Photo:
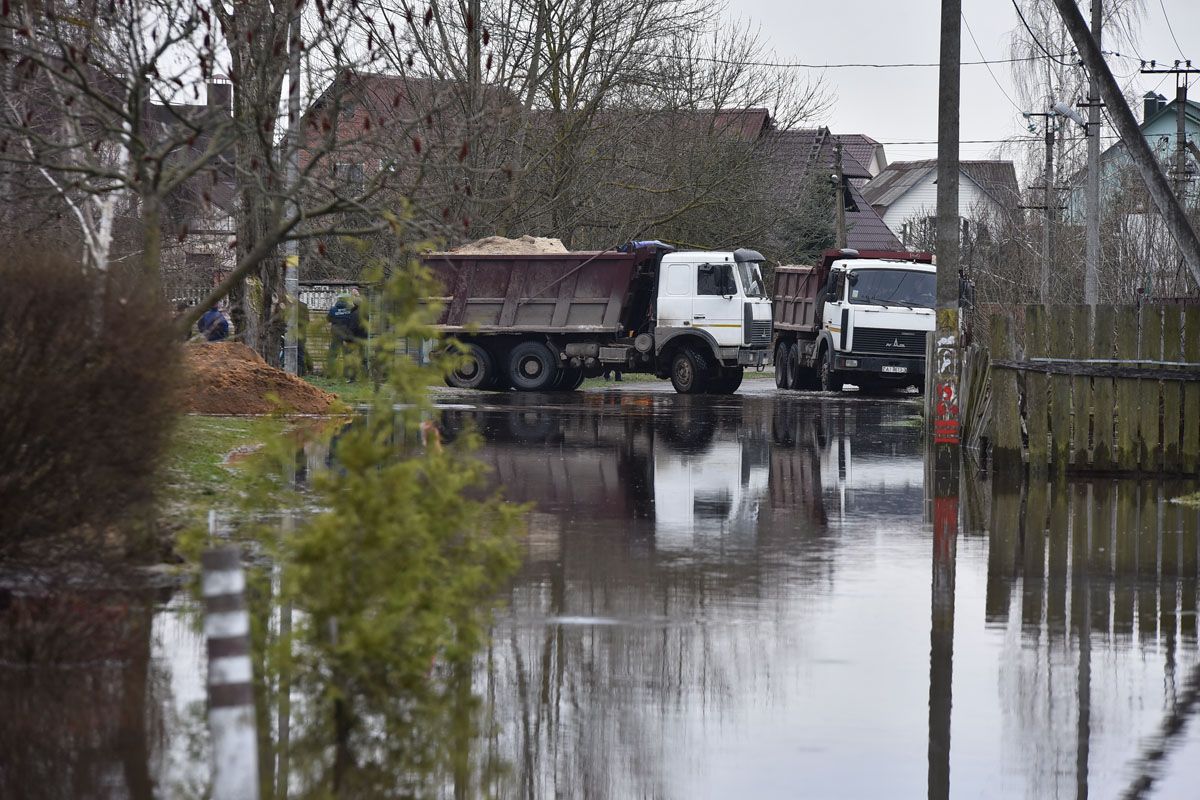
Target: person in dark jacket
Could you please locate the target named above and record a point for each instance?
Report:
(213, 325)
(346, 334)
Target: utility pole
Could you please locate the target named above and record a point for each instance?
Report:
(943, 376)
(291, 268)
(1181, 137)
(1091, 267)
(839, 193)
(942, 382)
(1165, 202)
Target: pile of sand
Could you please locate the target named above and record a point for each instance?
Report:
(230, 378)
(499, 245)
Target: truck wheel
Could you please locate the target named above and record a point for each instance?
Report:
(532, 367)
(830, 380)
(689, 371)
(782, 376)
(794, 378)
(727, 381)
(476, 370)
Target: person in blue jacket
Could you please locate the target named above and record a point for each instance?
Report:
(213, 325)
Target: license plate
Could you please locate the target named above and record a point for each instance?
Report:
(895, 369)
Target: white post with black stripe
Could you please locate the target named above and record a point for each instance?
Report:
(230, 679)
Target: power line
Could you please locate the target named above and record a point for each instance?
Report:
(1169, 28)
(1037, 41)
(979, 49)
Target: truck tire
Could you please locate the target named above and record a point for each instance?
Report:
(477, 370)
(532, 367)
(830, 381)
(782, 376)
(689, 371)
(727, 381)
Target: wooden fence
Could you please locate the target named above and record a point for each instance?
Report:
(1109, 389)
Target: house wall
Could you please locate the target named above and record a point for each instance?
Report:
(920, 202)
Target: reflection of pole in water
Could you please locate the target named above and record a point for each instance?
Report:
(1083, 731)
(941, 634)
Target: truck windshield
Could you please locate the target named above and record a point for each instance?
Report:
(893, 287)
(752, 282)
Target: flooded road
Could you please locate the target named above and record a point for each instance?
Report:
(729, 597)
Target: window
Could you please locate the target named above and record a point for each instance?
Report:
(679, 279)
(895, 287)
(838, 290)
(349, 178)
(715, 279)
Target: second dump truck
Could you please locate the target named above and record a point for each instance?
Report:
(857, 317)
(545, 322)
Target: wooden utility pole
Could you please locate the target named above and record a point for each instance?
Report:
(839, 195)
(1091, 267)
(942, 382)
(1165, 202)
(1181, 138)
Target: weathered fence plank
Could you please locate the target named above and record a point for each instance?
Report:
(1127, 401)
(1148, 391)
(1060, 397)
(1172, 395)
(1190, 450)
(1002, 550)
(1006, 418)
(1036, 420)
(1033, 555)
(1102, 389)
(1081, 390)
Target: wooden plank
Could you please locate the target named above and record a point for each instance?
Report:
(1190, 449)
(1006, 419)
(1037, 423)
(1127, 392)
(1060, 397)
(1102, 390)
(1150, 448)
(1172, 392)
(1081, 390)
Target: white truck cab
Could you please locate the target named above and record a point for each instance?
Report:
(875, 318)
(714, 305)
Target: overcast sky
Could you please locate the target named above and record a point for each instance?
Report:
(900, 105)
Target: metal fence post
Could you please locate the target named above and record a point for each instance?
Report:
(230, 678)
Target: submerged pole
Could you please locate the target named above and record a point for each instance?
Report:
(230, 677)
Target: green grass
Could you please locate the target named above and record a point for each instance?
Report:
(352, 393)
(196, 475)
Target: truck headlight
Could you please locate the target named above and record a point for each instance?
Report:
(849, 362)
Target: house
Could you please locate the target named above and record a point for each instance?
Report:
(866, 151)
(904, 194)
(804, 152)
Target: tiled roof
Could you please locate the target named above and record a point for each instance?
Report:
(801, 151)
(747, 122)
(858, 146)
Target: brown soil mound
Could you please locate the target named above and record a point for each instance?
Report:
(499, 245)
(230, 378)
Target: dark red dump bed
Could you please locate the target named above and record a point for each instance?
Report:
(553, 292)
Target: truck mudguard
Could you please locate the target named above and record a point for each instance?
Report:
(664, 336)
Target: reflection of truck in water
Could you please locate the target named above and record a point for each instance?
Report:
(856, 317)
(696, 472)
(541, 322)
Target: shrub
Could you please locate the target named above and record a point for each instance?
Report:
(88, 364)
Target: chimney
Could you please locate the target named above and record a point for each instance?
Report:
(1151, 104)
(220, 95)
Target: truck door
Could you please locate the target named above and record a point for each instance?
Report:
(675, 295)
(835, 302)
(717, 307)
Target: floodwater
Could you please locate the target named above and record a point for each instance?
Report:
(737, 597)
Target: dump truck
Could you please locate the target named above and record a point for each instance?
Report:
(857, 317)
(546, 321)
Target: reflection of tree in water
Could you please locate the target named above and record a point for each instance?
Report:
(619, 638)
(1096, 584)
(82, 715)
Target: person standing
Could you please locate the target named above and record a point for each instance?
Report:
(346, 333)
